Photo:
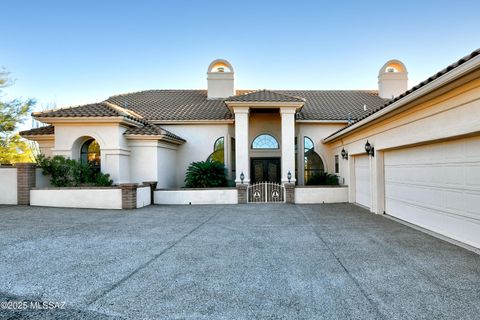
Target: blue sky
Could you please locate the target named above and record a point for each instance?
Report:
(73, 52)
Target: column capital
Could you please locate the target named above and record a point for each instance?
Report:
(243, 110)
(288, 110)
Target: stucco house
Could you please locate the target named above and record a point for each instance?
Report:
(411, 153)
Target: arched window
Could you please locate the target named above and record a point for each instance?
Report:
(218, 153)
(265, 141)
(90, 153)
(313, 163)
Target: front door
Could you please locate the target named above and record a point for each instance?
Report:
(265, 170)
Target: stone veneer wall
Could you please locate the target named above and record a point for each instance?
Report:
(26, 180)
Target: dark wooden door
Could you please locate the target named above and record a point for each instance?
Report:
(265, 170)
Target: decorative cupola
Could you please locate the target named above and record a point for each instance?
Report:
(220, 78)
(392, 79)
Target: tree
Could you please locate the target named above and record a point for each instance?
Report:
(12, 147)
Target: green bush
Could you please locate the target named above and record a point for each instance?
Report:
(323, 178)
(206, 174)
(66, 172)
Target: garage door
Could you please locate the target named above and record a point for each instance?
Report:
(437, 187)
(362, 180)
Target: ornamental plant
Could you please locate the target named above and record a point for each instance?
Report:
(323, 178)
(206, 174)
(66, 172)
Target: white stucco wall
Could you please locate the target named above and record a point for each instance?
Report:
(92, 198)
(113, 145)
(166, 165)
(317, 132)
(199, 145)
(321, 194)
(41, 181)
(143, 197)
(8, 185)
(143, 160)
(197, 196)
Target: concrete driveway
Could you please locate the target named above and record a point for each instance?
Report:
(230, 262)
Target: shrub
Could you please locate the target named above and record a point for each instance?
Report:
(66, 172)
(206, 174)
(323, 178)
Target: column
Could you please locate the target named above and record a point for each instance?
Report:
(241, 144)
(26, 180)
(288, 143)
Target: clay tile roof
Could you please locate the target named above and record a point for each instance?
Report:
(152, 130)
(265, 96)
(102, 109)
(46, 130)
(183, 105)
(173, 105)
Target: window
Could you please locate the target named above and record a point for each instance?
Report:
(265, 141)
(313, 163)
(232, 146)
(218, 153)
(90, 153)
(337, 169)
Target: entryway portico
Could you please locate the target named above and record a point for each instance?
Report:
(244, 107)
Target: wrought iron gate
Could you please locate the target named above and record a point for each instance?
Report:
(266, 192)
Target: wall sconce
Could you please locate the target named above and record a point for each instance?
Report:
(369, 149)
(242, 177)
(289, 176)
(344, 154)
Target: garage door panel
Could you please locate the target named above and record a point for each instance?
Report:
(362, 180)
(450, 225)
(437, 187)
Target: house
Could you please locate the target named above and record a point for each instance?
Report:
(411, 153)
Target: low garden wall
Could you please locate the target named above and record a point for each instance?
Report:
(321, 194)
(8, 185)
(196, 196)
(143, 196)
(92, 198)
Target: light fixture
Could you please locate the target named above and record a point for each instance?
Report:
(344, 154)
(289, 176)
(369, 149)
(242, 177)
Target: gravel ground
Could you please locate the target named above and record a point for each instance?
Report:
(229, 262)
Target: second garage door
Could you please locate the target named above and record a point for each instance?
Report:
(437, 187)
(362, 180)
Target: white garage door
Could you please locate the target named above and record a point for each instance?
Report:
(362, 180)
(437, 187)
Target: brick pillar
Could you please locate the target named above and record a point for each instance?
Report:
(290, 192)
(153, 186)
(242, 192)
(26, 180)
(129, 195)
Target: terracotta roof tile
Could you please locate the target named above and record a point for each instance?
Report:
(46, 130)
(264, 96)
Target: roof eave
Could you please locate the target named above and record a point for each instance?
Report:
(263, 104)
(159, 137)
(119, 120)
(449, 77)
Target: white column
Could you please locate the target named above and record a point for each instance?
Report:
(241, 144)
(288, 143)
(378, 184)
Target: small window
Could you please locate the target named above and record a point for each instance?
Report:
(265, 141)
(218, 154)
(90, 153)
(337, 168)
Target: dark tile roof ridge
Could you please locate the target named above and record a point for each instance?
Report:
(45, 130)
(423, 83)
(154, 90)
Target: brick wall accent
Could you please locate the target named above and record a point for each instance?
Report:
(129, 195)
(290, 192)
(153, 186)
(26, 180)
(242, 192)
